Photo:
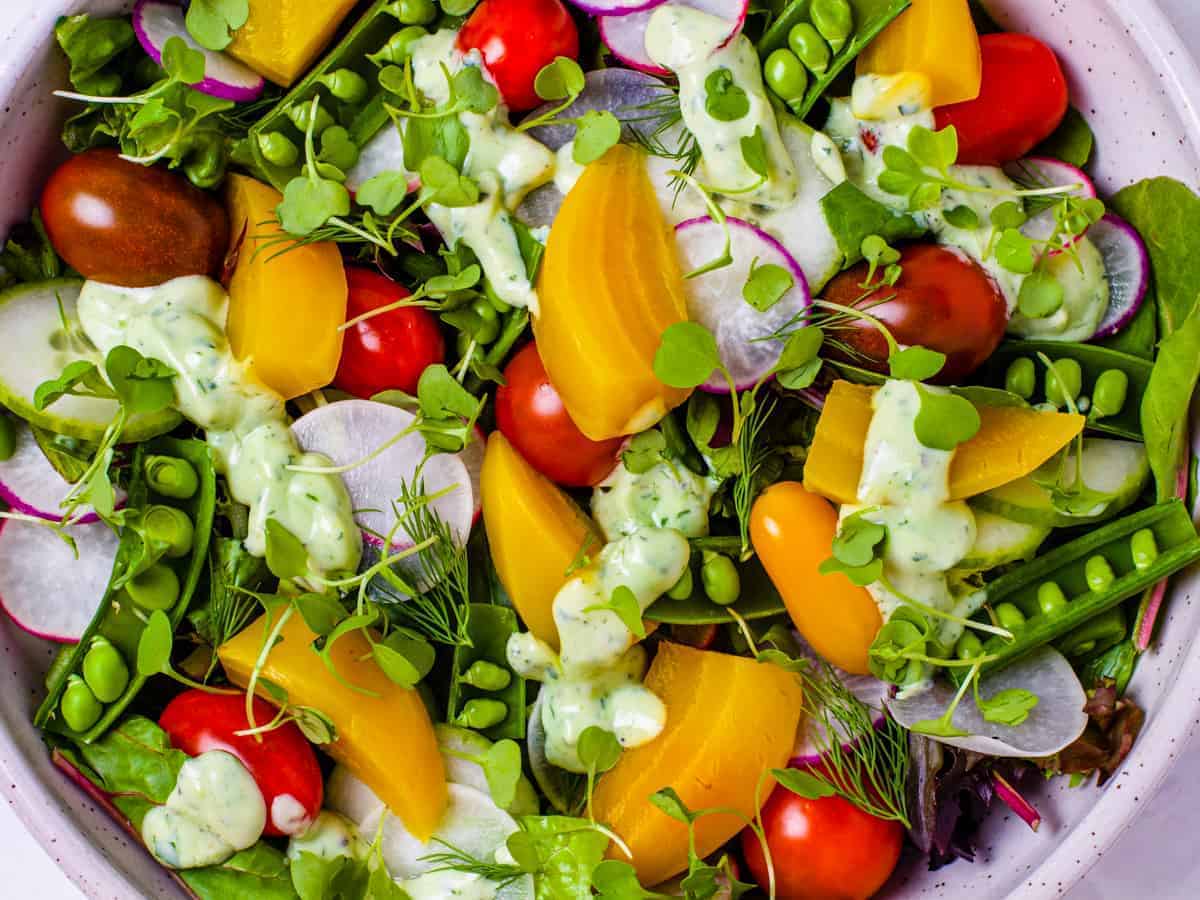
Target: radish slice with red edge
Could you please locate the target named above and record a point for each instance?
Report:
(1127, 269)
(350, 430)
(715, 298)
(43, 586)
(472, 459)
(156, 22)
(870, 690)
(1042, 172)
(625, 35)
(382, 153)
(616, 7)
(30, 485)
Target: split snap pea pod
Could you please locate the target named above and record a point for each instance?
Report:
(485, 694)
(160, 561)
(1110, 383)
(746, 590)
(1085, 590)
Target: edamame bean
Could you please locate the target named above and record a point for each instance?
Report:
(682, 589)
(171, 528)
(171, 477)
(969, 646)
(1109, 393)
(486, 676)
(105, 670)
(489, 321)
(278, 149)
(413, 12)
(302, 113)
(1051, 599)
(481, 713)
(8, 437)
(809, 47)
(346, 85)
(1144, 549)
(1098, 573)
(398, 47)
(80, 708)
(1064, 380)
(720, 578)
(156, 588)
(1021, 379)
(1009, 616)
(834, 19)
(786, 75)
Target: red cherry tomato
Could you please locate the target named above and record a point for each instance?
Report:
(132, 225)
(517, 38)
(943, 300)
(388, 351)
(283, 763)
(826, 849)
(531, 415)
(1022, 100)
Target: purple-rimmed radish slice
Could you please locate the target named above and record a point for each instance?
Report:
(1127, 269)
(351, 430)
(155, 22)
(1036, 172)
(715, 298)
(616, 7)
(871, 691)
(472, 458)
(625, 35)
(30, 485)
(43, 586)
(382, 153)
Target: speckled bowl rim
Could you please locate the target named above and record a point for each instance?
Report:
(1176, 716)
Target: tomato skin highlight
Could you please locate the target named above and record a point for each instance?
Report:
(944, 301)
(281, 761)
(825, 849)
(388, 351)
(1022, 100)
(131, 225)
(531, 414)
(517, 39)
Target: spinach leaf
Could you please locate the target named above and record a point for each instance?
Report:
(1139, 336)
(852, 216)
(29, 256)
(92, 46)
(1166, 401)
(260, 872)
(569, 849)
(1072, 141)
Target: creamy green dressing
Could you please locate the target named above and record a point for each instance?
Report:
(669, 495)
(182, 323)
(506, 163)
(330, 836)
(214, 811)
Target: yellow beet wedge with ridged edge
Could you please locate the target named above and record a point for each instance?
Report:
(282, 38)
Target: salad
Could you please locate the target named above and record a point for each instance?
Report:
(642, 448)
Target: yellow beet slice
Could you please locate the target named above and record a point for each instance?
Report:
(282, 38)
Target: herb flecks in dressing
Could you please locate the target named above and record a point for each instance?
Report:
(330, 836)
(669, 495)
(182, 323)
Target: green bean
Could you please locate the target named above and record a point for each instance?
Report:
(1064, 380)
(1098, 573)
(171, 528)
(786, 75)
(80, 708)
(105, 670)
(969, 646)
(1009, 616)
(1051, 599)
(1096, 634)
(156, 588)
(171, 477)
(480, 713)
(486, 676)
(278, 149)
(413, 12)
(345, 85)
(302, 113)
(809, 47)
(489, 321)
(398, 47)
(1109, 393)
(1144, 549)
(834, 19)
(1021, 378)
(682, 589)
(8, 437)
(720, 578)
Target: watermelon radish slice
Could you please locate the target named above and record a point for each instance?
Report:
(715, 298)
(625, 35)
(1127, 269)
(43, 586)
(616, 7)
(155, 22)
(30, 485)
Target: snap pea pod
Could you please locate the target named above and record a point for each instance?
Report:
(1120, 409)
(1068, 567)
(101, 669)
(755, 597)
(477, 692)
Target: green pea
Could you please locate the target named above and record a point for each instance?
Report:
(8, 437)
(720, 578)
(969, 646)
(156, 588)
(786, 75)
(1098, 574)
(1021, 379)
(809, 47)
(1009, 616)
(80, 708)
(413, 12)
(105, 671)
(835, 20)
(489, 321)
(1109, 393)
(398, 47)
(482, 713)
(278, 149)
(1051, 599)
(346, 85)
(682, 589)
(1064, 380)
(171, 477)
(171, 528)
(1144, 549)
(302, 113)
(486, 676)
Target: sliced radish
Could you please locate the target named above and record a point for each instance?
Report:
(30, 485)
(616, 7)
(870, 690)
(472, 458)
(625, 35)
(350, 430)
(156, 22)
(1127, 269)
(383, 153)
(715, 298)
(43, 586)
(1044, 172)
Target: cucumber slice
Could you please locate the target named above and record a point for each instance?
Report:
(37, 348)
(1114, 474)
(455, 743)
(1000, 541)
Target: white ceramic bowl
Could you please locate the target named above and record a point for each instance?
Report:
(1137, 86)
